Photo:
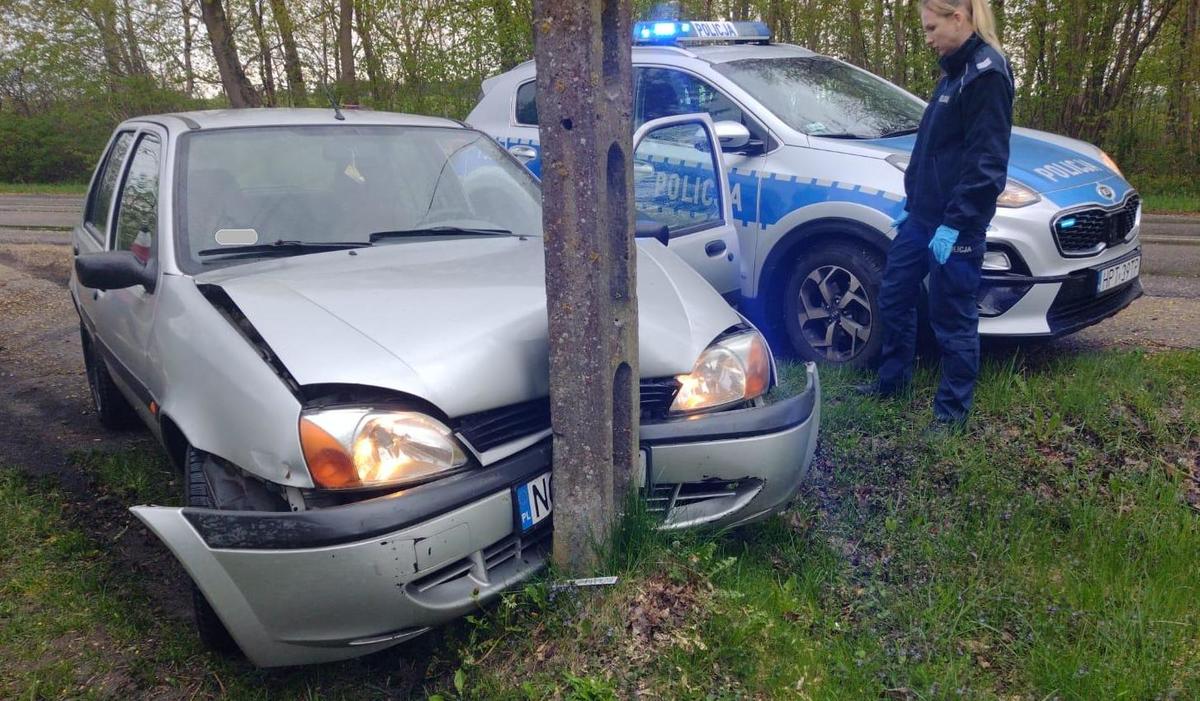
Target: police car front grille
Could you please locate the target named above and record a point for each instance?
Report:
(1089, 231)
(494, 427)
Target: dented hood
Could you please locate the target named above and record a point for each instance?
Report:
(460, 323)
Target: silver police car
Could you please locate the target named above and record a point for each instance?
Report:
(336, 325)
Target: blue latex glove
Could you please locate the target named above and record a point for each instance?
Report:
(942, 243)
(900, 218)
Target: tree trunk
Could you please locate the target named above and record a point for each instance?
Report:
(233, 78)
(291, 57)
(137, 61)
(584, 94)
(189, 73)
(345, 45)
(364, 24)
(265, 65)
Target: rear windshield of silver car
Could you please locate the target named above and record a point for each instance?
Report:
(256, 186)
(823, 97)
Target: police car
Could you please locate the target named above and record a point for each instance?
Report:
(815, 150)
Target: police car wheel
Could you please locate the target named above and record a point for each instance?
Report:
(831, 305)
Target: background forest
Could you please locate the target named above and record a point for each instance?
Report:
(1121, 73)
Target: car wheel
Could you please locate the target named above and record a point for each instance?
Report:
(831, 305)
(211, 630)
(111, 406)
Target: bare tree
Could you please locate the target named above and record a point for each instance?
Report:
(291, 57)
(345, 45)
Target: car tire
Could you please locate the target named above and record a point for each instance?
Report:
(831, 305)
(111, 407)
(197, 493)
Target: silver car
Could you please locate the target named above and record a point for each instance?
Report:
(336, 325)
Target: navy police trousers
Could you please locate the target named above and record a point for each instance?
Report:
(953, 314)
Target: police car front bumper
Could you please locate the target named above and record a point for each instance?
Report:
(1047, 294)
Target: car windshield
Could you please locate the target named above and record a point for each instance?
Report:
(310, 186)
(822, 97)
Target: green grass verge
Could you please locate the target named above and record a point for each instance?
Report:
(43, 188)
(1167, 194)
(1052, 551)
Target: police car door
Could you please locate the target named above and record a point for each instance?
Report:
(680, 181)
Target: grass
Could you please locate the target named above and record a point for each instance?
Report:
(1167, 194)
(43, 188)
(1052, 551)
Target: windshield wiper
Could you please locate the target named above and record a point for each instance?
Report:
(840, 135)
(899, 132)
(437, 231)
(283, 247)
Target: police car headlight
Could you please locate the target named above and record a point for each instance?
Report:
(1017, 194)
(355, 448)
(1109, 163)
(733, 369)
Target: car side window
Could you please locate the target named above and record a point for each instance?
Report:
(100, 198)
(137, 212)
(662, 92)
(674, 179)
(527, 113)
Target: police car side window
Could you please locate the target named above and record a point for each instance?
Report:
(674, 179)
(137, 213)
(663, 92)
(527, 104)
(101, 195)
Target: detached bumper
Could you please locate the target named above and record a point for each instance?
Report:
(330, 584)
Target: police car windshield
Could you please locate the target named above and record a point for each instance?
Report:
(822, 97)
(321, 187)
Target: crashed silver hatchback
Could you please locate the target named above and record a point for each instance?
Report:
(336, 325)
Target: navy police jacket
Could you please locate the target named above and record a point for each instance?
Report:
(960, 161)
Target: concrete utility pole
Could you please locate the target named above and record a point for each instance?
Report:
(584, 97)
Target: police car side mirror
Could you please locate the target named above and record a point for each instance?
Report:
(733, 136)
(650, 229)
(113, 270)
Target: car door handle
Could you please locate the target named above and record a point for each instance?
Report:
(714, 248)
(523, 153)
(643, 168)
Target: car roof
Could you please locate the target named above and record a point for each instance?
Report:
(721, 53)
(278, 116)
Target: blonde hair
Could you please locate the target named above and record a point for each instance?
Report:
(978, 11)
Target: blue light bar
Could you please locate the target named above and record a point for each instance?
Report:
(692, 32)
(1067, 223)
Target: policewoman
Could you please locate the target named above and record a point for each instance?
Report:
(958, 169)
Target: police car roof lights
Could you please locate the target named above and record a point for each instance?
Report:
(669, 32)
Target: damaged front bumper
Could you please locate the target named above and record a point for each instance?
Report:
(329, 584)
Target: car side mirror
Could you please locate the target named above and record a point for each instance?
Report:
(733, 136)
(113, 270)
(650, 229)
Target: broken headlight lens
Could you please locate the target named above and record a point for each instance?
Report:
(357, 448)
(733, 369)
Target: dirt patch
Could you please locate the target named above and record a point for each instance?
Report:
(51, 263)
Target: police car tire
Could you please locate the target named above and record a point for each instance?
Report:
(197, 493)
(862, 262)
(111, 407)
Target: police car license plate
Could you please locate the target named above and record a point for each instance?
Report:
(1119, 274)
(533, 501)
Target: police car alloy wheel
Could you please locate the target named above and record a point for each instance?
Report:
(831, 305)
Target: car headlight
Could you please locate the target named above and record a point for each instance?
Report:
(1016, 194)
(733, 369)
(1108, 161)
(353, 448)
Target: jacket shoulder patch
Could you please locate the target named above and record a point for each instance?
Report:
(984, 63)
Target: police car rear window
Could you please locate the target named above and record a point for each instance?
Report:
(527, 104)
(823, 97)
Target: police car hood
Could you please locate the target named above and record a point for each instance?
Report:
(1045, 162)
(460, 323)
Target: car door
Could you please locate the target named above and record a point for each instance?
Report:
(521, 138)
(680, 182)
(122, 318)
(92, 233)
